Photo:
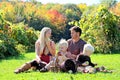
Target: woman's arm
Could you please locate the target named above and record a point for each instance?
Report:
(37, 50)
(51, 47)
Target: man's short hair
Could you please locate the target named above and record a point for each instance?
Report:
(76, 29)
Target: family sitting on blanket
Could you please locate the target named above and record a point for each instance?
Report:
(73, 54)
(45, 48)
(66, 63)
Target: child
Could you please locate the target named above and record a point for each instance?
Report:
(61, 56)
(84, 61)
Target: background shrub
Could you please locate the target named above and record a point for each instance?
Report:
(100, 28)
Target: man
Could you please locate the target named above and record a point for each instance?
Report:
(76, 44)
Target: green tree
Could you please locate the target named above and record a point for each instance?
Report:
(108, 3)
(100, 28)
(72, 12)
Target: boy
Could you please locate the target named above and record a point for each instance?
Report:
(84, 61)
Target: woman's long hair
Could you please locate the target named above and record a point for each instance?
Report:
(42, 39)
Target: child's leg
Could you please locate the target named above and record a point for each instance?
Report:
(100, 69)
(80, 69)
(103, 69)
(90, 69)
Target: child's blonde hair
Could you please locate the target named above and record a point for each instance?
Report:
(88, 47)
(63, 42)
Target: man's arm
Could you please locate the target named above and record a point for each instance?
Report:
(71, 56)
(82, 47)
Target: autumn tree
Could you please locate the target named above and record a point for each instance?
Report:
(115, 9)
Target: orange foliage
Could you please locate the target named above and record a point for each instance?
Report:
(116, 9)
(56, 18)
(16, 12)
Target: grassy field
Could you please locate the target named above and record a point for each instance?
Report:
(111, 61)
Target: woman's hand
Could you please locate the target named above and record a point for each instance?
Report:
(48, 43)
(38, 59)
(51, 47)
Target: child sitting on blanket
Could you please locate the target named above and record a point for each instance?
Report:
(86, 66)
(61, 56)
(84, 59)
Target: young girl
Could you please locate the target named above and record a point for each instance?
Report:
(61, 56)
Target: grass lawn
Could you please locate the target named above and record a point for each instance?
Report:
(111, 61)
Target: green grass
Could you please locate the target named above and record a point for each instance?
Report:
(111, 61)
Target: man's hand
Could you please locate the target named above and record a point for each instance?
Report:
(73, 56)
(68, 55)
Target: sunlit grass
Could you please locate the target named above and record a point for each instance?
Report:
(110, 61)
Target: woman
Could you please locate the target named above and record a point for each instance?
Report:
(44, 49)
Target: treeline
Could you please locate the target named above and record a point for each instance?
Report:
(20, 23)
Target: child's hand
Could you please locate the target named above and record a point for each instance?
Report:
(63, 56)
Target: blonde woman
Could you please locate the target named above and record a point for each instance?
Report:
(44, 49)
(44, 46)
